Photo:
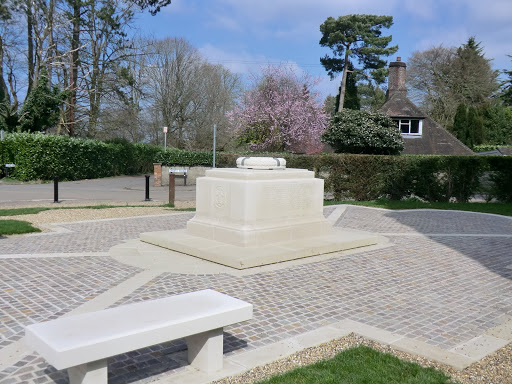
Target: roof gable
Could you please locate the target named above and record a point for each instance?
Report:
(398, 105)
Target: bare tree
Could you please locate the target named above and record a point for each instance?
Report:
(219, 90)
(441, 78)
(427, 74)
(187, 94)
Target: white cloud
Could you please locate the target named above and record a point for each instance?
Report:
(490, 12)
(296, 18)
(424, 9)
(247, 64)
(225, 22)
(448, 37)
(178, 6)
(241, 62)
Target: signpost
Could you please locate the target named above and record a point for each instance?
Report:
(214, 142)
(165, 139)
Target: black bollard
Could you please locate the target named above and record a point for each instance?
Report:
(56, 189)
(147, 188)
(172, 187)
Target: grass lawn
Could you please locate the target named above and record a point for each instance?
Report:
(362, 365)
(12, 227)
(504, 209)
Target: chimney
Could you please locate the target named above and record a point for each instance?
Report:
(396, 79)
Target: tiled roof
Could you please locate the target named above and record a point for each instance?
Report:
(435, 140)
(398, 105)
(505, 150)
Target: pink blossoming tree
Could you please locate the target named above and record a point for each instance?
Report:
(280, 113)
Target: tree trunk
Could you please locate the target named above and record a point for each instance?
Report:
(51, 44)
(75, 43)
(4, 92)
(30, 47)
(343, 82)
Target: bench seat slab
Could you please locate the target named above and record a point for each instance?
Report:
(77, 340)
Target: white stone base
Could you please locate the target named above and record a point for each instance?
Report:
(95, 372)
(241, 257)
(205, 350)
(249, 208)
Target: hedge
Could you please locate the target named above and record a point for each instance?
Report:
(185, 158)
(347, 176)
(42, 157)
(428, 177)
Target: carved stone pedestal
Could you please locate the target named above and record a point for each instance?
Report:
(251, 216)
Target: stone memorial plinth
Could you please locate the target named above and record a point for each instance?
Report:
(258, 213)
(245, 207)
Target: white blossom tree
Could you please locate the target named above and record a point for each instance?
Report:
(280, 113)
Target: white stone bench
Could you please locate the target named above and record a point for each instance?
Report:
(83, 343)
(182, 171)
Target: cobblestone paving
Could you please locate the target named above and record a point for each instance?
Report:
(35, 290)
(328, 210)
(443, 290)
(425, 222)
(97, 236)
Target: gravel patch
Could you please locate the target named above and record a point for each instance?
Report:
(40, 219)
(494, 369)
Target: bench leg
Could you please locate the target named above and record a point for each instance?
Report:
(94, 372)
(205, 350)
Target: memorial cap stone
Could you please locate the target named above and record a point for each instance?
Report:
(261, 163)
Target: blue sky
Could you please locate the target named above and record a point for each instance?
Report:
(245, 35)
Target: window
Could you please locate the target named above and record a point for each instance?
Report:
(410, 127)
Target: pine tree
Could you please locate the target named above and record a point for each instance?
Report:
(41, 108)
(475, 127)
(357, 36)
(460, 122)
(351, 94)
(506, 95)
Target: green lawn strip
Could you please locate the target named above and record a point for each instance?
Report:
(35, 210)
(15, 227)
(362, 365)
(504, 209)
(22, 211)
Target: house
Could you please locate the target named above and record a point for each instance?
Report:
(421, 134)
(500, 151)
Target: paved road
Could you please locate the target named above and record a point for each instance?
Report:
(112, 189)
(442, 286)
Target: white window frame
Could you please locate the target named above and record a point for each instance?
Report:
(407, 123)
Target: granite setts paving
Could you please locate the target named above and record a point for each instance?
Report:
(92, 236)
(435, 284)
(35, 290)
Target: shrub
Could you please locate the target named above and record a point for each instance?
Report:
(362, 132)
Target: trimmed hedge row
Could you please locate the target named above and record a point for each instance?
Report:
(359, 177)
(185, 158)
(431, 178)
(42, 157)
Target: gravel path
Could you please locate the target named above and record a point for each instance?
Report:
(41, 219)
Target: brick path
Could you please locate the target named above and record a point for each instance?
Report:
(443, 288)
